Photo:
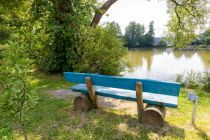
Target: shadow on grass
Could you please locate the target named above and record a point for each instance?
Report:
(167, 130)
(55, 119)
(146, 131)
(101, 124)
(201, 133)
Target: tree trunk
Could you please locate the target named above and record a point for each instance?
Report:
(82, 103)
(154, 115)
(101, 11)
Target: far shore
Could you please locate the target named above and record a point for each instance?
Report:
(193, 48)
(172, 48)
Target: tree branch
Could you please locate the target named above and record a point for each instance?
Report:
(101, 11)
(190, 7)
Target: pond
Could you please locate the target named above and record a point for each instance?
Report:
(165, 64)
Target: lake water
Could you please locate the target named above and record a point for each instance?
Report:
(164, 64)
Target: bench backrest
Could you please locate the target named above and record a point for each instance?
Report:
(151, 86)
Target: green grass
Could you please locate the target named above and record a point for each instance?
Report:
(54, 118)
(48, 81)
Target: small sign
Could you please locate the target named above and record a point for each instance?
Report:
(192, 96)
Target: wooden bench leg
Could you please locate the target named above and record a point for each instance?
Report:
(139, 100)
(91, 92)
(154, 115)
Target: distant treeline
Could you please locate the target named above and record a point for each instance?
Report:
(135, 35)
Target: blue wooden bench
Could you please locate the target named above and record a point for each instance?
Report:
(156, 94)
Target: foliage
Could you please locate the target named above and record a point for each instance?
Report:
(13, 22)
(149, 37)
(207, 40)
(102, 51)
(192, 79)
(204, 38)
(115, 28)
(4, 35)
(16, 96)
(179, 79)
(12, 15)
(61, 23)
(206, 81)
(195, 80)
(60, 39)
(163, 42)
(70, 44)
(185, 16)
(135, 36)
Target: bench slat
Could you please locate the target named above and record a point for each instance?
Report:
(150, 98)
(151, 86)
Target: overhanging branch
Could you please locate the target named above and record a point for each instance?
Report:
(101, 11)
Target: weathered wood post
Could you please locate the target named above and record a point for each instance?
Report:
(83, 102)
(139, 100)
(91, 92)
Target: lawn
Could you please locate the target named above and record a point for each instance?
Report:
(54, 118)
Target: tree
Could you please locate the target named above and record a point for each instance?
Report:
(115, 27)
(186, 15)
(151, 29)
(185, 18)
(134, 34)
(203, 38)
(162, 43)
(149, 37)
(206, 37)
(66, 23)
(61, 23)
(135, 37)
(207, 40)
(16, 96)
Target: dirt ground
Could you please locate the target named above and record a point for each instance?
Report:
(127, 106)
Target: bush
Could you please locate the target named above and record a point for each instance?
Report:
(4, 35)
(16, 96)
(195, 80)
(66, 42)
(179, 78)
(60, 23)
(102, 52)
(206, 81)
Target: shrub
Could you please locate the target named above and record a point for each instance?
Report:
(195, 80)
(68, 43)
(16, 96)
(102, 52)
(206, 81)
(179, 78)
(4, 35)
(60, 24)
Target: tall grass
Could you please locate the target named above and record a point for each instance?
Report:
(194, 80)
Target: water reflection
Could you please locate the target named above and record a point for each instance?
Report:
(163, 64)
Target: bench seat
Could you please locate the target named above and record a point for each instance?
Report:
(150, 98)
